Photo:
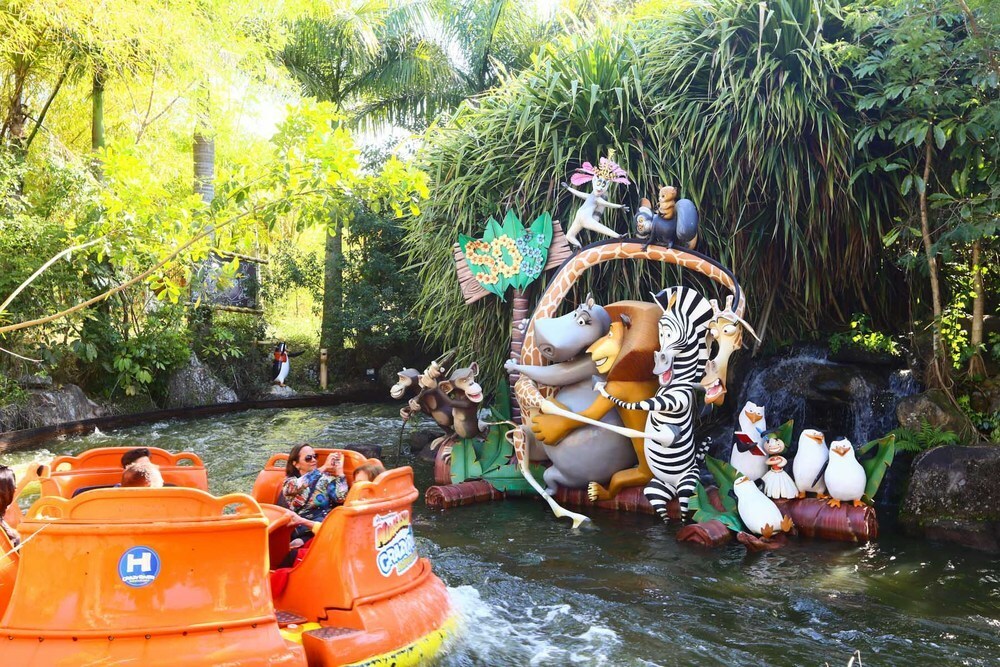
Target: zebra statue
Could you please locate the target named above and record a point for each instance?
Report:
(680, 365)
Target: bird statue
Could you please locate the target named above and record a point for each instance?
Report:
(747, 456)
(758, 512)
(809, 464)
(777, 482)
(845, 477)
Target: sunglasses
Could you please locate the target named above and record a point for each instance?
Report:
(309, 458)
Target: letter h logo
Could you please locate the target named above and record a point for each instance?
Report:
(143, 562)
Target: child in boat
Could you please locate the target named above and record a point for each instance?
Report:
(311, 491)
(8, 484)
(137, 455)
(368, 472)
(142, 474)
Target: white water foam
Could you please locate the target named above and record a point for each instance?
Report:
(536, 635)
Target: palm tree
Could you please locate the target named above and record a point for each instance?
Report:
(388, 64)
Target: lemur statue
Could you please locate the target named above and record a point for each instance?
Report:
(588, 216)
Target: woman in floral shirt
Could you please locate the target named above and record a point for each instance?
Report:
(311, 491)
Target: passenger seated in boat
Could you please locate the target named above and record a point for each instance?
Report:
(311, 491)
(368, 472)
(142, 473)
(8, 484)
(135, 455)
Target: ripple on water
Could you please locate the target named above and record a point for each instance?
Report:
(625, 592)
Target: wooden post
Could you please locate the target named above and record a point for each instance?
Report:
(520, 313)
(322, 368)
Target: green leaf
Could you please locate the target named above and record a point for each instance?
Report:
(875, 467)
(512, 226)
(939, 137)
(701, 504)
(724, 475)
(907, 183)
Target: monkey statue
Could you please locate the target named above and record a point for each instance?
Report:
(465, 395)
(588, 216)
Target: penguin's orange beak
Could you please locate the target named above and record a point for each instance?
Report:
(752, 417)
(818, 438)
(841, 450)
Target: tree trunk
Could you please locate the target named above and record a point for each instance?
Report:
(938, 371)
(204, 151)
(977, 368)
(97, 116)
(520, 313)
(332, 333)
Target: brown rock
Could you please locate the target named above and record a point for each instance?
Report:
(953, 496)
(934, 407)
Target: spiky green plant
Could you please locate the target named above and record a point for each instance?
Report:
(749, 114)
(757, 105)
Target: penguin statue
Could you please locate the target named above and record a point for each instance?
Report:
(845, 477)
(809, 464)
(748, 457)
(758, 512)
(281, 366)
(777, 482)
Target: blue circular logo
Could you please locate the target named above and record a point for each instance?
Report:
(139, 566)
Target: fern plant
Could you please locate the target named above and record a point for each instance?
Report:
(927, 437)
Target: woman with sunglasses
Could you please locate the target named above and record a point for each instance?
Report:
(311, 490)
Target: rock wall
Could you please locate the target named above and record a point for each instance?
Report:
(195, 384)
(954, 496)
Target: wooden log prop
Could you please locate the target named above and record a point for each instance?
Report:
(754, 543)
(815, 518)
(628, 500)
(442, 465)
(447, 496)
(711, 534)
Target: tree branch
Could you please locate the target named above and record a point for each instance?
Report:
(55, 258)
(111, 292)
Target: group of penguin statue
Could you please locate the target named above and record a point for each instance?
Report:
(833, 473)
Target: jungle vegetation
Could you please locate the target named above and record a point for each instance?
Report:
(842, 158)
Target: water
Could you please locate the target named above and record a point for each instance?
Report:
(532, 592)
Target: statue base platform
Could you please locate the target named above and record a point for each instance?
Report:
(446, 496)
(813, 517)
(628, 500)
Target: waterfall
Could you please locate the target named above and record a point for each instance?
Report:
(842, 400)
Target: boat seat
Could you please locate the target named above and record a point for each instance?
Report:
(84, 489)
(177, 569)
(286, 618)
(101, 468)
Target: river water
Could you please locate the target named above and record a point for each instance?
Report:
(530, 591)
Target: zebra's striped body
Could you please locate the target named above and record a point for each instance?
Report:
(680, 364)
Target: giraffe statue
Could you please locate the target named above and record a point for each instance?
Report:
(533, 398)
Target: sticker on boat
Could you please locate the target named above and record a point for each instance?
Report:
(394, 544)
(139, 566)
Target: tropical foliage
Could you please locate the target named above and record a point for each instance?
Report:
(755, 111)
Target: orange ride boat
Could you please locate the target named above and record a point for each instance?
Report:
(176, 576)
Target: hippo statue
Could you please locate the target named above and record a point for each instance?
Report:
(588, 453)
